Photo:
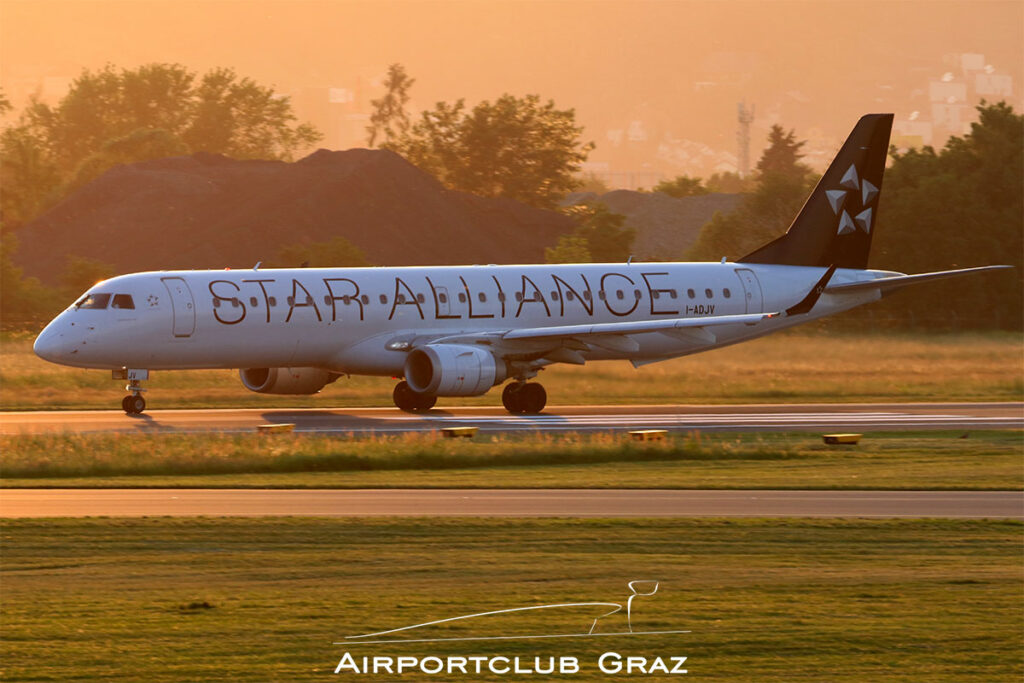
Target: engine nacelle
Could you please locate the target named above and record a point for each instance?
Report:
(286, 380)
(452, 370)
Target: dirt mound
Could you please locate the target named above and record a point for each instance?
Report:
(665, 226)
(209, 211)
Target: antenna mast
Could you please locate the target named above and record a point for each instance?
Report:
(745, 117)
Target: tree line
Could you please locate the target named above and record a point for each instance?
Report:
(956, 206)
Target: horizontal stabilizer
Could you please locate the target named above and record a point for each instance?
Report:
(886, 284)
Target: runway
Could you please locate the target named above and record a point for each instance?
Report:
(507, 503)
(718, 418)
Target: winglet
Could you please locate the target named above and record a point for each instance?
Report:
(812, 297)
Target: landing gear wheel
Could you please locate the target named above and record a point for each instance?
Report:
(411, 402)
(520, 398)
(510, 397)
(133, 405)
(533, 398)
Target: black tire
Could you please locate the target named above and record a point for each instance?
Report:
(411, 402)
(136, 404)
(533, 398)
(510, 397)
(425, 402)
(124, 404)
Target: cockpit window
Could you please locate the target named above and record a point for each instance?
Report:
(93, 300)
(123, 301)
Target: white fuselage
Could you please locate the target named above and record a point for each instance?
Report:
(361, 320)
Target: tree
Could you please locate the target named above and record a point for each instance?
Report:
(571, 248)
(389, 119)
(82, 273)
(958, 207)
(518, 148)
(729, 183)
(123, 116)
(600, 236)
(22, 300)
(335, 253)
(681, 186)
(590, 182)
(782, 186)
(782, 156)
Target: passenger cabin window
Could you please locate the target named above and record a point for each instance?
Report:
(365, 299)
(253, 302)
(462, 297)
(383, 298)
(708, 293)
(123, 301)
(726, 293)
(95, 301)
(690, 293)
(637, 295)
(482, 297)
(442, 297)
(273, 301)
(420, 298)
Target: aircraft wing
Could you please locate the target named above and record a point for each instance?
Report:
(562, 343)
(635, 327)
(886, 284)
(569, 339)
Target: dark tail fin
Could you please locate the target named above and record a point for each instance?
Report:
(836, 223)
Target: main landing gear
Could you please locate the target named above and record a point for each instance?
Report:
(133, 403)
(520, 398)
(411, 402)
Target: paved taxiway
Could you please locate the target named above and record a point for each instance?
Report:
(508, 503)
(754, 417)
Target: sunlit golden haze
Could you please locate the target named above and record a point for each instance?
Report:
(656, 84)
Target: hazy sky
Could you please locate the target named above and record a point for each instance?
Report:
(812, 65)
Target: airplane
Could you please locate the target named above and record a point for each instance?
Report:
(461, 330)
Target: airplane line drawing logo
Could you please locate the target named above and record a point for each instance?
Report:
(637, 589)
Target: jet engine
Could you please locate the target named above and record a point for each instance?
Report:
(452, 370)
(286, 380)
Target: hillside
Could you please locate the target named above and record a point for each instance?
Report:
(209, 211)
(665, 226)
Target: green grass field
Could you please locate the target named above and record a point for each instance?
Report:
(789, 366)
(894, 460)
(263, 599)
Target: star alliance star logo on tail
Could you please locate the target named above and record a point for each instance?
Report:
(837, 200)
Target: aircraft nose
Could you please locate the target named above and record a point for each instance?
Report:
(50, 344)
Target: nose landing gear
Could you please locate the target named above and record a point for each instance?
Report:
(133, 403)
(520, 398)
